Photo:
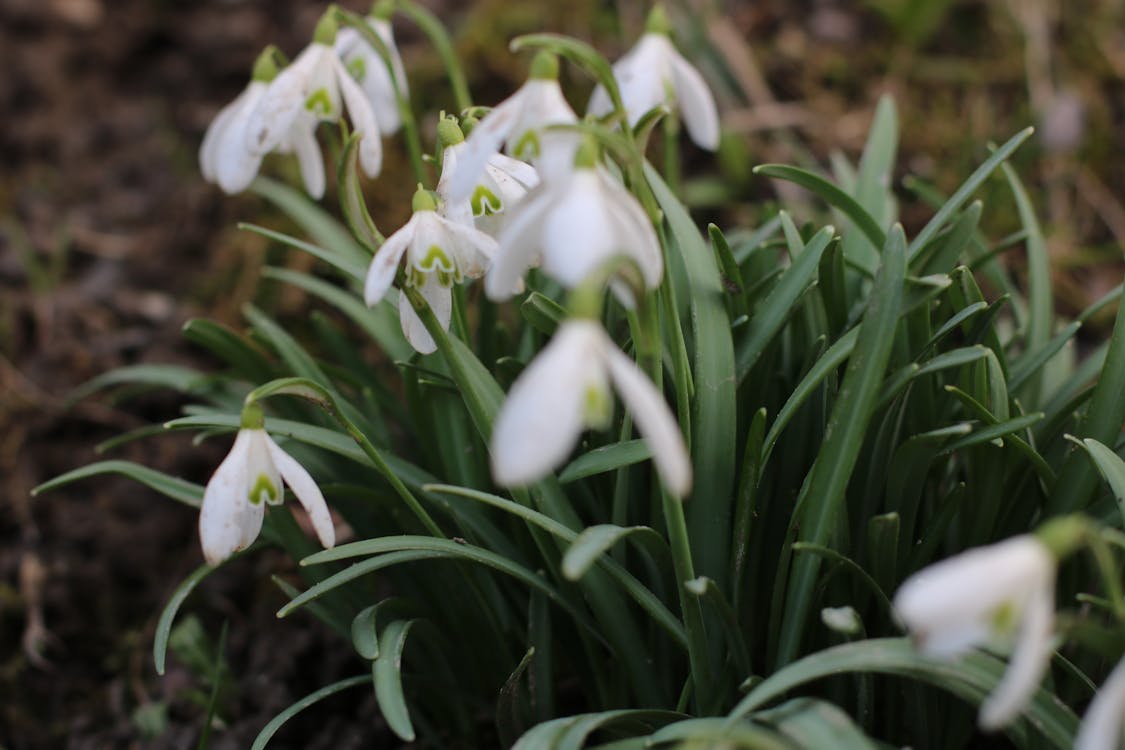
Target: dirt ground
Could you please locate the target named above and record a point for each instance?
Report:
(110, 241)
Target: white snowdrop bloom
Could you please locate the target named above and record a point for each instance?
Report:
(501, 185)
(654, 73)
(567, 389)
(318, 87)
(247, 479)
(370, 70)
(226, 160)
(989, 595)
(439, 253)
(520, 123)
(1103, 726)
(573, 225)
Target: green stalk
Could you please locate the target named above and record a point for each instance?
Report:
(434, 29)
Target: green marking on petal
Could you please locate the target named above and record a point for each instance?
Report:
(485, 202)
(1004, 619)
(263, 488)
(434, 259)
(319, 103)
(357, 67)
(527, 147)
(597, 409)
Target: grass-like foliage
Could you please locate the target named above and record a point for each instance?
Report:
(857, 404)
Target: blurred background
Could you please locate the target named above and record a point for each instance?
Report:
(110, 241)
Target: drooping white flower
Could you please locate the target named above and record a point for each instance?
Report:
(572, 225)
(246, 481)
(226, 160)
(318, 86)
(439, 253)
(520, 123)
(1103, 726)
(371, 72)
(655, 73)
(988, 595)
(567, 389)
(503, 183)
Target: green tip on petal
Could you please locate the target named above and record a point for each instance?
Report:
(449, 132)
(265, 67)
(657, 22)
(253, 418)
(326, 27)
(382, 10)
(423, 200)
(587, 155)
(544, 67)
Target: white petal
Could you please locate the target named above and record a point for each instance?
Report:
(519, 244)
(484, 141)
(643, 76)
(283, 100)
(540, 421)
(633, 224)
(518, 170)
(263, 481)
(235, 165)
(653, 417)
(1103, 726)
(363, 120)
(473, 248)
(432, 247)
(381, 273)
(219, 128)
(307, 492)
(697, 104)
(302, 140)
(578, 235)
(1029, 661)
(225, 505)
(440, 300)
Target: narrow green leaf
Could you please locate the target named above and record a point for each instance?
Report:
(1110, 465)
(605, 458)
(831, 194)
(387, 674)
(174, 377)
(812, 723)
(270, 729)
(543, 313)
(593, 542)
(992, 432)
(352, 202)
(348, 268)
(320, 225)
(178, 489)
(1040, 305)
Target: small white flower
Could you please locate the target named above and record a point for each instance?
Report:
(247, 479)
(503, 183)
(520, 123)
(654, 73)
(370, 71)
(1103, 726)
(439, 254)
(987, 596)
(226, 160)
(318, 86)
(565, 390)
(573, 225)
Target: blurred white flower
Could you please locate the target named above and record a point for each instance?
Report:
(520, 123)
(318, 87)
(988, 596)
(654, 73)
(567, 389)
(501, 185)
(371, 72)
(572, 225)
(1103, 726)
(439, 253)
(247, 479)
(226, 160)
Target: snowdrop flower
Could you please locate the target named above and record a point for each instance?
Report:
(566, 389)
(984, 596)
(520, 122)
(573, 225)
(224, 157)
(501, 185)
(316, 87)
(246, 481)
(439, 253)
(654, 73)
(1103, 726)
(370, 70)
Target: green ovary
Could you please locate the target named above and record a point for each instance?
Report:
(263, 487)
(485, 202)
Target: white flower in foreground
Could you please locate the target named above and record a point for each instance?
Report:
(654, 73)
(1103, 726)
(503, 183)
(572, 226)
(247, 479)
(226, 160)
(567, 389)
(521, 123)
(439, 253)
(371, 72)
(317, 86)
(985, 596)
